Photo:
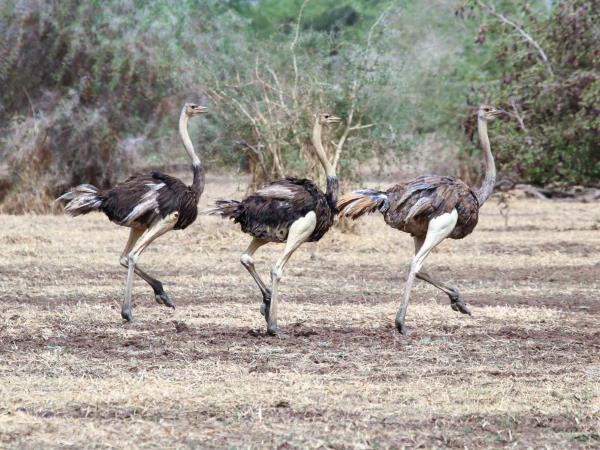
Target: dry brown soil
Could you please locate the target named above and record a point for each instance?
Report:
(523, 371)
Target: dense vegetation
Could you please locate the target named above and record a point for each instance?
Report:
(551, 85)
(92, 89)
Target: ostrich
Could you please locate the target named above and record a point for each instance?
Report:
(431, 208)
(150, 205)
(291, 210)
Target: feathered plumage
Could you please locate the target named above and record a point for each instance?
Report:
(431, 208)
(150, 205)
(292, 210)
(409, 207)
(269, 212)
(138, 201)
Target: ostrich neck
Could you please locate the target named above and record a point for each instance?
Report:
(318, 144)
(331, 194)
(197, 169)
(489, 180)
(185, 138)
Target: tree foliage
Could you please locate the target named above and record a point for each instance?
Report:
(91, 88)
(548, 77)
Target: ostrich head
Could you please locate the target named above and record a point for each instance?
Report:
(487, 112)
(325, 118)
(192, 109)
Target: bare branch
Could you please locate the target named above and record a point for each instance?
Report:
(375, 25)
(356, 85)
(521, 31)
(280, 91)
(259, 156)
(517, 113)
(362, 127)
(293, 51)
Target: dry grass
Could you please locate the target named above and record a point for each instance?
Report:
(522, 372)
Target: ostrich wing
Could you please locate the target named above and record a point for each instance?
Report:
(170, 181)
(287, 189)
(283, 199)
(135, 200)
(270, 211)
(428, 197)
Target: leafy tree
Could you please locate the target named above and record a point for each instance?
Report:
(548, 75)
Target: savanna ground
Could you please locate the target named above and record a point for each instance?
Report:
(523, 371)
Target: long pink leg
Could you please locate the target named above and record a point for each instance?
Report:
(160, 295)
(456, 302)
(248, 263)
(156, 230)
(438, 229)
(299, 232)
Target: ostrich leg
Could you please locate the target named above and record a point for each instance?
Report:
(437, 230)
(299, 232)
(456, 303)
(160, 295)
(156, 230)
(248, 263)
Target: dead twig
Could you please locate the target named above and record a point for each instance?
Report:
(492, 10)
(517, 113)
(357, 83)
(293, 52)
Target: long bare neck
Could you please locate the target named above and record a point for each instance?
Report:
(185, 138)
(197, 169)
(489, 180)
(332, 183)
(318, 143)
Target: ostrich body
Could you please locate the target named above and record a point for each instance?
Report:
(292, 210)
(150, 205)
(431, 208)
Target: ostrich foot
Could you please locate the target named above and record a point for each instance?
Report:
(401, 327)
(163, 299)
(273, 330)
(457, 304)
(266, 304)
(126, 314)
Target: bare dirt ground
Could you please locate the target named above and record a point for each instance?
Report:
(523, 371)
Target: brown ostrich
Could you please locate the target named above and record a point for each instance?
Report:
(150, 205)
(291, 210)
(431, 208)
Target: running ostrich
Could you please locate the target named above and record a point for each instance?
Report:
(431, 208)
(150, 205)
(291, 210)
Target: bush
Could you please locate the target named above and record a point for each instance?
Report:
(49, 153)
(91, 76)
(81, 82)
(89, 88)
(556, 104)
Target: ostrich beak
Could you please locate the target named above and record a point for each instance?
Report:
(334, 119)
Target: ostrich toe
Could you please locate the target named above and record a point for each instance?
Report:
(266, 304)
(273, 330)
(457, 304)
(126, 314)
(401, 327)
(163, 299)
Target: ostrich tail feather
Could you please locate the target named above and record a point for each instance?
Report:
(81, 199)
(364, 201)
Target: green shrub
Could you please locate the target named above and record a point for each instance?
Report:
(558, 102)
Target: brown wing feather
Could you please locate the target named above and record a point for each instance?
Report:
(140, 200)
(269, 212)
(414, 204)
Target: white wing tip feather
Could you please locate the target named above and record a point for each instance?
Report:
(276, 191)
